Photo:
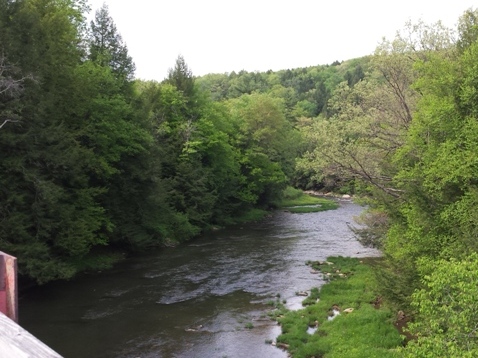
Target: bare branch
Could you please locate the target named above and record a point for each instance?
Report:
(11, 85)
(6, 121)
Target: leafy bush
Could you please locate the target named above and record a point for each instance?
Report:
(447, 307)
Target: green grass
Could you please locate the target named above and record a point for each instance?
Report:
(366, 332)
(312, 298)
(295, 201)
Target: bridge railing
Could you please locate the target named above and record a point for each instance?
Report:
(8, 286)
(14, 340)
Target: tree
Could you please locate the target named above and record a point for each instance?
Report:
(181, 77)
(358, 140)
(70, 168)
(199, 167)
(467, 29)
(268, 145)
(446, 324)
(368, 120)
(434, 217)
(437, 167)
(107, 47)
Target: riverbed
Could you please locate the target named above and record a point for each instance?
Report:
(206, 298)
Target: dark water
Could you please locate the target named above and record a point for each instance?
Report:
(196, 300)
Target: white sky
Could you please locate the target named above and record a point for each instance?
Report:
(218, 36)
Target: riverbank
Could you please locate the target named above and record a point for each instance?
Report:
(346, 318)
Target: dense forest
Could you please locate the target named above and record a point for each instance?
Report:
(95, 163)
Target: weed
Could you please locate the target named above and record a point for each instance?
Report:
(249, 325)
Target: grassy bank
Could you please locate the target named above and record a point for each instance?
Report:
(296, 201)
(346, 318)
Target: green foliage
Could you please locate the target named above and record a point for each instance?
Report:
(438, 166)
(91, 160)
(467, 29)
(356, 142)
(447, 308)
(85, 168)
(291, 193)
(97, 260)
(304, 91)
(267, 151)
(49, 212)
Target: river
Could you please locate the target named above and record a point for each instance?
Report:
(206, 298)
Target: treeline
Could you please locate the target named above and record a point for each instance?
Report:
(304, 91)
(406, 137)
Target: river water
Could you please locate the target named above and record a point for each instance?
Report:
(206, 298)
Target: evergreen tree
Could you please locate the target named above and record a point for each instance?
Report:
(107, 48)
(181, 77)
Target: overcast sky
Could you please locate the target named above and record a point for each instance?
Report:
(218, 36)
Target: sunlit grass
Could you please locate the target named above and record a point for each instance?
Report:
(295, 201)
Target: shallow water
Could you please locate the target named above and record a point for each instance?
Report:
(198, 300)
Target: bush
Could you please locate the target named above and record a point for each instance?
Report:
(447, 310)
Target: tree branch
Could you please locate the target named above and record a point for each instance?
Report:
(6, 121)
